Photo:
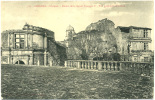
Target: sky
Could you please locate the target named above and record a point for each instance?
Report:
(58, 15)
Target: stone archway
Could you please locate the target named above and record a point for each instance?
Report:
(19, 62)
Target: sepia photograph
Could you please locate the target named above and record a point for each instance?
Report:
(77, 50)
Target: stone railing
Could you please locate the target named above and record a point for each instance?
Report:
(136, 67)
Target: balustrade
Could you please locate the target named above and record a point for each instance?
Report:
(136, 67)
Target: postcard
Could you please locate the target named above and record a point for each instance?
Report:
(77, 49)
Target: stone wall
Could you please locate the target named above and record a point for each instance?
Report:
(38, 41)
(57, 52)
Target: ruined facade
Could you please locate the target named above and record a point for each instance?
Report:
(131, 43)
(31, 46)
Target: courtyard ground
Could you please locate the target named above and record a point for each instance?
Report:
(23, 82)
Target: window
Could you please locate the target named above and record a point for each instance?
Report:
(19, 41)
(135, 59)
(145, 46)
(145, 59)
(145, 33)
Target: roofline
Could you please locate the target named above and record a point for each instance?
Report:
(134, 27)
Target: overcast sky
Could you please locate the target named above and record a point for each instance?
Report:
(14, 14)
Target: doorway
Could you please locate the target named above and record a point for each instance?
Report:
(20, 62)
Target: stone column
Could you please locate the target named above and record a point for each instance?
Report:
(8, 39)
(31, 46)
(45, 41)
(27, 40)
(32, 61)
(13, 36)
(9, 48)
(28, 58)
(99, 65)
(12, 59)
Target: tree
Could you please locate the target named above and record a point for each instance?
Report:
(92, 43)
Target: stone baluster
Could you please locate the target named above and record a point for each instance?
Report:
(112, 66)
(99, 65)
(145, 69)
(103, 67)
(65, 63)
(88, 65)
(95, 65)
(120, 66)
(142, 68)
(82, 64)
(126, 66)
(70, 63)
(151, 69)
(78, 64)
(108, 66)
(92, 65)
(73, 64)
(130, 66)
(116, 66)
(134, 67)
(138, 68)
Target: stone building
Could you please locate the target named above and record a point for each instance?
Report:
(138, 40)
(131, 43)
(31, 46)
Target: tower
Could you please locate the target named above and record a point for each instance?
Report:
(69, 34)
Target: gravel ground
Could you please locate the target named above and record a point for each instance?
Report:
(23, 82)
